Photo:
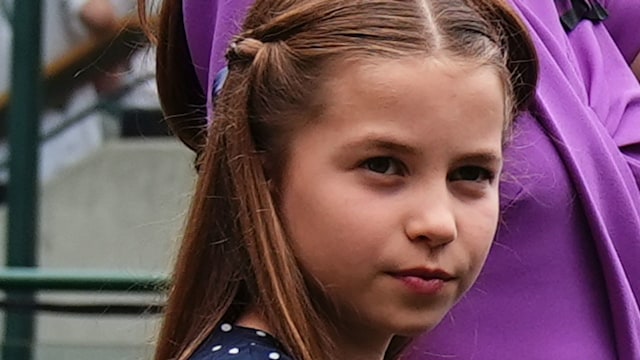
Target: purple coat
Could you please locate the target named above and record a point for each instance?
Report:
(563, 277)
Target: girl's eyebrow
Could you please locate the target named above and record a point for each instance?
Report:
(488, 157)
(377, 142)
(389, 143)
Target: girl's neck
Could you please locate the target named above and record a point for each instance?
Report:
(354, 344)
(351, 344)
(351, 352)
(254, 319)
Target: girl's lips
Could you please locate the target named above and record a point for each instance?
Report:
(423, 281)
(422, 286)
(424, 273)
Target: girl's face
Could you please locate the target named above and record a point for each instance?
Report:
(391, 197)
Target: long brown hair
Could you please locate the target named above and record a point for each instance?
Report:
(235, 252)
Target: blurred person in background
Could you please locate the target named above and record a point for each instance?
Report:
(139, 109)
(68, 24)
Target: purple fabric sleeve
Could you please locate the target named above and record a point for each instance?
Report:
(588, 111)
(624, 25)
(209, 26)
(610, 90)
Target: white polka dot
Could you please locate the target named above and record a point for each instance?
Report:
(274, 356)
(216, 348)
(234, 351)
(261, 333)
(252, 344)
(226, 327)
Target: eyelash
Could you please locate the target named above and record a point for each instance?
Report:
(390, 162)
(480, 174)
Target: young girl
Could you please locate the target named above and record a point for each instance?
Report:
(348, 183)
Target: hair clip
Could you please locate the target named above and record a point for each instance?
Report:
(219, 81)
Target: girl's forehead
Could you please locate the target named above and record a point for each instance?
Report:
(417, 94)
(392, 79)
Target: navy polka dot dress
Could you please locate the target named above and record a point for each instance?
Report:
(231, 342)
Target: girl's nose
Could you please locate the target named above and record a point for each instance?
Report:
(432, 221)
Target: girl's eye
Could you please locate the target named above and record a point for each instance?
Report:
(383, 165)
(472, 173)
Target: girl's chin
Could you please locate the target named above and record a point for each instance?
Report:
(413, 330)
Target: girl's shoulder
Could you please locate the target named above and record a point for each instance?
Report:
(231, 342)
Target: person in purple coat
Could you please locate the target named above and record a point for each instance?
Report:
(562, 280)
(563, 277)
